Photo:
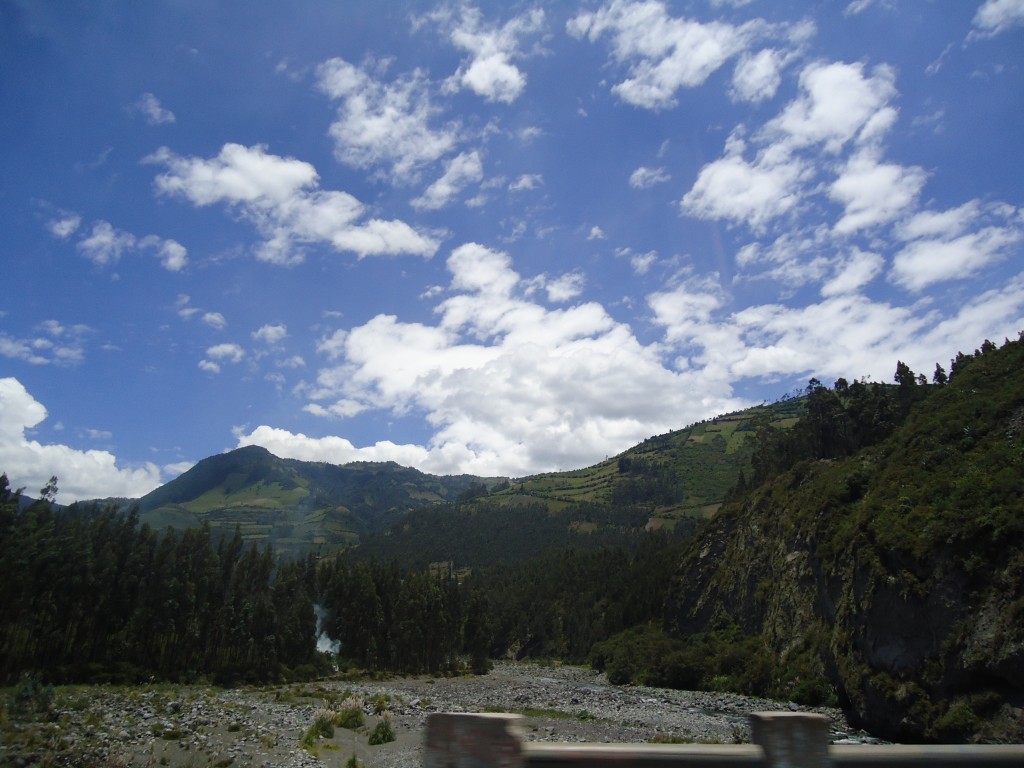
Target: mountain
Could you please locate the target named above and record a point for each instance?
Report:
(296, 505)
(667, 481)
(897, 571)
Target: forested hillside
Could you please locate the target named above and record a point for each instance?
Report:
(883, 554)
(869, 553)
(297, 506)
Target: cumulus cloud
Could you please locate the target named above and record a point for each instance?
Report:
(81, 474)
(997, 16)
(384, 125)
(52, 344)
(873, 192)
(757, 76)
(645, 178)
(838, 103)
(215, 320)
(853, 273)
(829, 138)
(846, 334)
(282, 198)
(511, 387)
(271, 334)
(172, 254)
(752, 192)
(105, 245)
(463, 170)
(663, 53)
(526, 182)
(64, 226)
(490, 72)
(232, 353)
(954, 244)
(150, 108)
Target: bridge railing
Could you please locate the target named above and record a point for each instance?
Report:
(779, 740)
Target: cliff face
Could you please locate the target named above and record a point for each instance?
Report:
(900, 568)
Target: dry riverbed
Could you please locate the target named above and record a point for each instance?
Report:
(178, 726)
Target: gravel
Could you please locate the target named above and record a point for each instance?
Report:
(192, 726)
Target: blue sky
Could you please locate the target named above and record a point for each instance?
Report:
(495, 238)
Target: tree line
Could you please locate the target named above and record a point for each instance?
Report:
(92, 595)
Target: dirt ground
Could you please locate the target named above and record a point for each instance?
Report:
(193, 726)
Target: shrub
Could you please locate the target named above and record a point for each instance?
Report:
(350, 715)
(383, 732)
(31, 695)
(323, 723)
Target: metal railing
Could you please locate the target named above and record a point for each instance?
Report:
(780, 740)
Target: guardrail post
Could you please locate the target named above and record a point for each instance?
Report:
(464, 740)
(792, 739)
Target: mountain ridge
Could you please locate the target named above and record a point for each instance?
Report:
(664, 481)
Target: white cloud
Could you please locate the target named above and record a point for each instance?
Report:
(467, 168)
(874, 193)
(215, 320)
(81, 474)
(924, 262)
(997, 16)
(105, 245)
(596, 233)
(334, 450)
(383, 124)
(209, 366)
(65, 226)
(282, 198)
(490, 72)
(172, 254)
(645, 178)
(757, 77)
(54, 344)
(754, 193)
(846, 334)
(526, 182)
(232, 353)
(564, 288)
(664, 53)
(150, 107)
(837, 104)
(238, 174)
(271, 334)
(853, 273)
(642, 262)
(510, 386)
(955, 243)
(839, 108)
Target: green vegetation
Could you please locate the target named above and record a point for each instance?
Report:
(883, 552)
(383, 732)
(296, 506)
(861, 544)
(90, 595)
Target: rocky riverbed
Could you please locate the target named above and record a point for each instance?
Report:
(193, 726)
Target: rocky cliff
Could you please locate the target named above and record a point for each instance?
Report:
(898, 572)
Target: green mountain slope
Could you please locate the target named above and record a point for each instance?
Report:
(898, 572)
(395, 511)
(684, 473)
(670, 482)
(295, 505)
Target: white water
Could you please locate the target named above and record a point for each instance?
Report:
(324, 643)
